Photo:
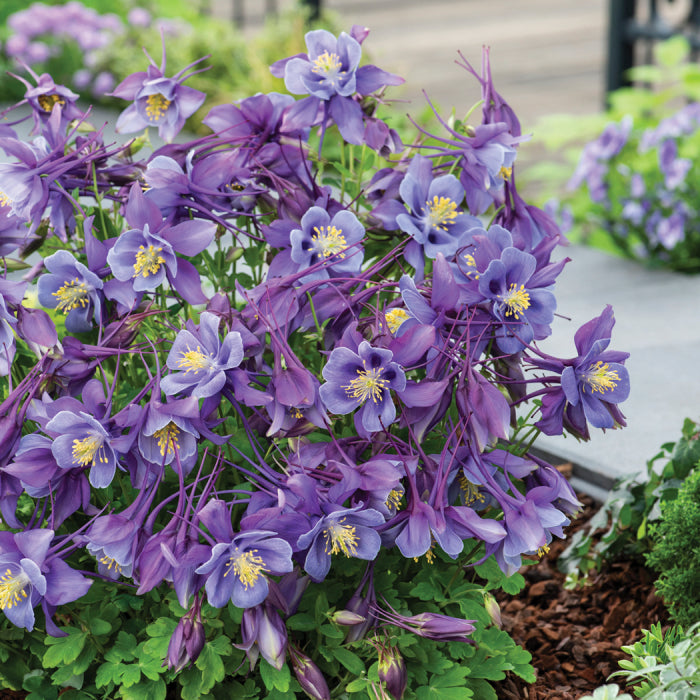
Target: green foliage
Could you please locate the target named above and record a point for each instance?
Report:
(633, 505)
(676, 552)
(664, 667)
(115, 643)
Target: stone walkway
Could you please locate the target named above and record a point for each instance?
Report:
(658, 323)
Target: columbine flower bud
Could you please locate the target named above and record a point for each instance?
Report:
(347, 618)
(309, 675)
(187, 640)
(392, 670)
(493, 609)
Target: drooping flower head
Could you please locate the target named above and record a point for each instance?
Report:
(82, 441)
(198, 360)
(46, 95)
(592, 384)
(157, 100)
(73, 289)
(29, 574)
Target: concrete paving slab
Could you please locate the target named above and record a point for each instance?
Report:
(658, 323)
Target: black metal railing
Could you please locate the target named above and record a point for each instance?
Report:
(635, 26)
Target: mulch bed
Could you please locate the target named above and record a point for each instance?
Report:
(575, 636)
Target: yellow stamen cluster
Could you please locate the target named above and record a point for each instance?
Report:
(148, 261)
(168, 439)
(12, 589)
(329, 240)
(46, 102)
(599, 377)
(341, 538)
(393, 500)
(544, 549)
(471, 263)
(156, 107)
(247, 566)
(429, 555)
(442, 212)
(71, 295)
(327, 64)
(194, 360)
(5, 201)
(517, 300)
(368, 384)
(395, 317)
(89, 450)
(505, 173)
(469, 490)
(111, 563)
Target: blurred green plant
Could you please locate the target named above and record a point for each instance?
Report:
(675, 552)
(664, 667)
(633, 189)
(238, 67)
(633, 505)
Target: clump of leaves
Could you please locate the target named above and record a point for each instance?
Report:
(664, 667)
(676, 552)
(633, 505)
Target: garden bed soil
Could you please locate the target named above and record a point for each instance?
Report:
(574, 636)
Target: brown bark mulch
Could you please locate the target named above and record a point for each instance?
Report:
(575, 636)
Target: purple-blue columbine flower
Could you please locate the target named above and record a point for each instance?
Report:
(46, 95)
(674, 169)
(362, 380)
(434, 220)
(598, 376)
(83, 442)
(143, 257)
(237, 571)
(441, 628)
(329, 245)
(188, 639)
(168, 434)
(71, 288)
(329, 68)
(330, 74)
(29, 574)
(349, 531)
(592, 384)
(157, 100)
(521, 296)
(198, 360)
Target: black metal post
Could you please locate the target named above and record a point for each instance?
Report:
(314, 9)
(620, 47)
